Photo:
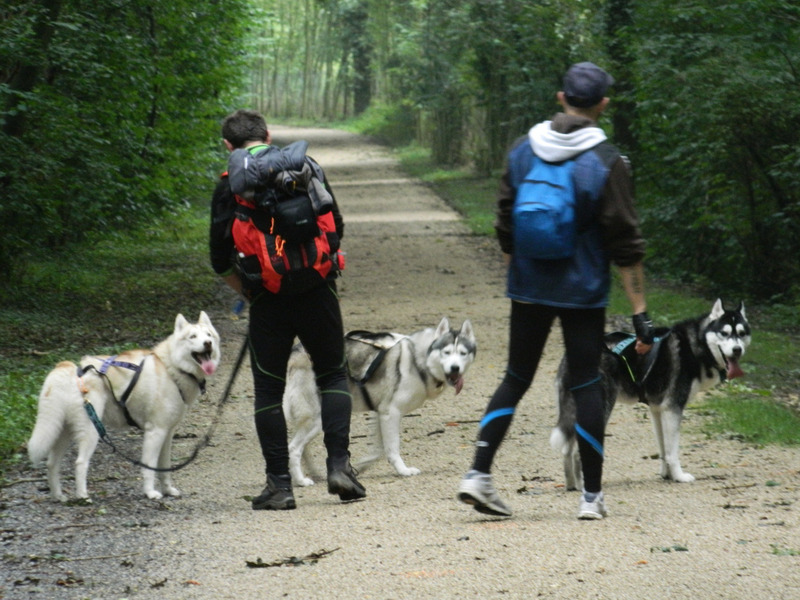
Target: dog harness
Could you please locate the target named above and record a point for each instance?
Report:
(112, 361)
(373, 366)
(623, 344)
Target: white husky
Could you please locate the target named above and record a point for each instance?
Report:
(147, 388)
(390, 374)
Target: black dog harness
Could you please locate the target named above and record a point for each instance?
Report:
(373, 366)
(622, 346)
(122, 400)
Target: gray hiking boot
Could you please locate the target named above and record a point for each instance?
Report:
(277, 495)
(342, 479)
(592, 506)
(476, 489)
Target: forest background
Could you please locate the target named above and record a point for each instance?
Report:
(110, 112)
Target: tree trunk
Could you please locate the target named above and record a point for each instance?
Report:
(29, 72)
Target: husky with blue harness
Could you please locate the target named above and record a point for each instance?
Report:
(147, 388)
(689, 357)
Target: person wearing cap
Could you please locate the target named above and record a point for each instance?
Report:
(574, 289)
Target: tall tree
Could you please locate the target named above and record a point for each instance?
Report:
(29, 59)
(619, 19)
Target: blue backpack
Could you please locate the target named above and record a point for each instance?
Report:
(543, 217)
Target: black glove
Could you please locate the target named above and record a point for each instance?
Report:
(643, 327)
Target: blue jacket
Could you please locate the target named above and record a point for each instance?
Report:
(606, 224)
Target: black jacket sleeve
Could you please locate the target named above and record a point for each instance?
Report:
(220, 237)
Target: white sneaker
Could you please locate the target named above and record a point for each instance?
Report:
(476, 489)
(592, 506)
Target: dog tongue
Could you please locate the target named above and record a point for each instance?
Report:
(459, 384)
(208, 367)
(734, 370)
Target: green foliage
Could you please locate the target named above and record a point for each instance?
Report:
(718, 117)
(18, 393)
(393, 123)
(520, 52)
(121, 280)
(117, 119)
(750, 415)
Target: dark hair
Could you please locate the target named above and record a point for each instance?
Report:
(244, 126)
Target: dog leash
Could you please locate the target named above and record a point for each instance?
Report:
(101, 430)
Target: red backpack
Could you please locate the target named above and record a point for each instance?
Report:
(284, 230)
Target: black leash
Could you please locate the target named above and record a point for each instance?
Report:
(101, 430)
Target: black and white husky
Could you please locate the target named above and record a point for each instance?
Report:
(390, 374)
(691, 356)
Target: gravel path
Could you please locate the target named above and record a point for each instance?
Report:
(734, 533)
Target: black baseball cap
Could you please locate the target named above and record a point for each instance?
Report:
(586, 84)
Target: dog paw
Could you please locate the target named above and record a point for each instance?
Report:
(172, 491)
(409, 471)
(154, 495)
(78, 501)
(300, 480)
(678, 476)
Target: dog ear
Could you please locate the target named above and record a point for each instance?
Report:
(741, 309)
(466, 330)
(204, 319)
(718, 310)
(444, 327)
(180, 322)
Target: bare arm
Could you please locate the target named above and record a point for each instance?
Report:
(234, 282)
(633, 284)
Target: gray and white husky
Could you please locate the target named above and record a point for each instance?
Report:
(691, 356)
(390, 374)
(148, 388)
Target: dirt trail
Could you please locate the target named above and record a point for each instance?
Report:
(734, 533)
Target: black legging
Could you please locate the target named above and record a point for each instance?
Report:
(313, 316)
(583, 335)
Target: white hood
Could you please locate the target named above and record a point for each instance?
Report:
(552, 146)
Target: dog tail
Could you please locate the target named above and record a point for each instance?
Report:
(50, 418)
(301, 400)
(559, 441)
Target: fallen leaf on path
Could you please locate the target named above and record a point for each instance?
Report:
(292, 561)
